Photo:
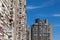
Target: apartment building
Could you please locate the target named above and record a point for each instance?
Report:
(41, 30)
(13, 19)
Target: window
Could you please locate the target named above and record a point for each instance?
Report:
(2, 5)
(10, 20)
(24, 6)
(11, 12)
(20, 13)
(11, 5)
(11, 0)
(35, 34)
(19, 27)
(17, 9)
(40, 35)
(20, 8)
(19, 22)
(11, 8)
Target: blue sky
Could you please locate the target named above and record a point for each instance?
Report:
(49, 9)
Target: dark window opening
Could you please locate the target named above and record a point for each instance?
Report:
(20, 3)
(11, 8)
(20, 13)
(24, 6)
(2, 5)
(20, 8)
(11, 12)
(19, 22)
(11, 5)
(11, 0)
(10, 24)
(19, 27)
(10, 20)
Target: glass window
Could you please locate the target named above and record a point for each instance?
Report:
(35, 34)
(40, 35)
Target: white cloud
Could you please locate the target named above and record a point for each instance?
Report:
(57, 15)
(49, 3)
(32, 7)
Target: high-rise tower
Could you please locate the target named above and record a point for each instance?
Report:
(19, 28)
(13, 19)
(6, 19)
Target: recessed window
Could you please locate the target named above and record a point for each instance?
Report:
(24, 6)
(11, 12)
(20, 8)
(20, 13)
(2, 5)
(19, 27)
(19, 22)
(11, 5)
(10, 24)
(11, 8)
(11, 0)
(10, 20)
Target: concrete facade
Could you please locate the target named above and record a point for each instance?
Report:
(28, 34)
(13, 19)
(5, 19)
(19, 28)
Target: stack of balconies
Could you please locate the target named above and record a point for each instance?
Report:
(5, 18)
